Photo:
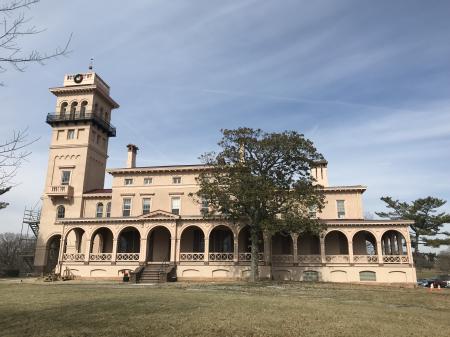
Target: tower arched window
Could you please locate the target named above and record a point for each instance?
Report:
(108, 209)
(73, 108)
(61, 212)
(63, 109)
(83, 108)
(99, 211)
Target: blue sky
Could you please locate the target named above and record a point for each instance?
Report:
(367, 81)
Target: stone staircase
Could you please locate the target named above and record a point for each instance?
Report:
(156, 273)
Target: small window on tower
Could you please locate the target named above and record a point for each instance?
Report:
(70, 134)
(176, 180)
(146, 205)
(128, 181)
(65, 177)
(148, 181)
(340, 209)
(108, 209)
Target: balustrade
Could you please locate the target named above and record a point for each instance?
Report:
(191, 256)
(246, 257)
(127, 257)
(73, 257)
(283, 259)
(100, 257)
(337, 259)
(305, 259)
(220, 257)
(395, 259)
(365, 258)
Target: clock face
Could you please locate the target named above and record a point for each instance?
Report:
(78, 78)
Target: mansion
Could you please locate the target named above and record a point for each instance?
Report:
(149, 226)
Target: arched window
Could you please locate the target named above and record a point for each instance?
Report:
(60, 212)
(73, 108)
(99, 212)
(63, 109)
(83, 108)
(108, 209)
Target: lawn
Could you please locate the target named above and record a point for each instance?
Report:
(74, 308)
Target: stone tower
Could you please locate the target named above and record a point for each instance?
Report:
(77, 157)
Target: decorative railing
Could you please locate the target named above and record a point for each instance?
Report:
(100, 257)
(365, 258)
(246, 257)
(81, 116)
(337, 259)
(395, 259)
(283, 259)
(305, 259)
(191, 256)
(127, 257)
(60, 191)
(73, 257)
(221, 257)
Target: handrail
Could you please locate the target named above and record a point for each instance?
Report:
(136, 274)
(82, 116)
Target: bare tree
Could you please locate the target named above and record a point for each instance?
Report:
(13, 152)
(9, 251)
(16, 27)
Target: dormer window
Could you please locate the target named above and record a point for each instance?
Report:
(128, 181)
(148, 181)
(176, 180)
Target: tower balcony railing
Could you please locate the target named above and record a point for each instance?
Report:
(79, 116)
(65, 191)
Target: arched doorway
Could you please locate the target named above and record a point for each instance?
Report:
(74, 245)
(245, 245)
(393, 246)
(128, 245)
(365, 247)
(52, 253)
(192, 244)
(308, 248)
(221, 244)
(336, 247)
(282, 248)
(101, 245)
(159, 245)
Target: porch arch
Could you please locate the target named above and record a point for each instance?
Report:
(221, 240)
(364, 243)
(393, 243)
(102, 241)
(159, 244)
(336, 243)
(192, 240)
(245, 242)
(75, 241)
(282, 244)
(308, 244)
(52, 252)
(129, 240)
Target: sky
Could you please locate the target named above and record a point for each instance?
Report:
(367, 81)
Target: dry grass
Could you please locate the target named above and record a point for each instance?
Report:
(182, 309)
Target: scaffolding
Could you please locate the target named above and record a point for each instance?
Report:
(28, 237)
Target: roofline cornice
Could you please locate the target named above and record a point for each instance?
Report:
(86, 89)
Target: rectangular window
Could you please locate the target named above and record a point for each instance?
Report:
(176, 180)
(205, 206)
(108, 209)
(146, 205)
(59, 134)
(176, 205)
(340, 209)
(65, 177)
(128, 181)
(70, 134)
(126, 207)
(312, 212)
(148, 181)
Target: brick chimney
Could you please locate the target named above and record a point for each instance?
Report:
(131, 159)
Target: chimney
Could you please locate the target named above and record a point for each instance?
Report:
(319, 172)
(132, 151)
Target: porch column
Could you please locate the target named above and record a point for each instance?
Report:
(400, 244)
(206, 250)
(294, 247)
(114, 251)
(87, 251)
(267, 249)
(143, 251)
(60, 253)
(380, 252)
(350, 252)
(322, 249)
(409, 252)
(236, 250)
(392, 244)
(173, 249)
